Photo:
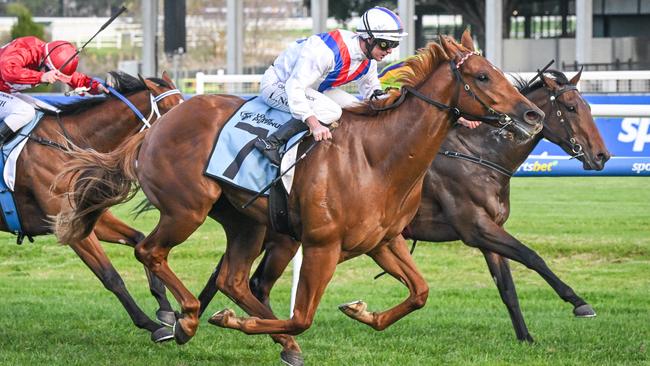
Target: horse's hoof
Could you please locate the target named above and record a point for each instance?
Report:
(353, 308)
(584, 311)
(292, 358)
(220, 318)
(162, 334)
(179, 334)
(167, 318)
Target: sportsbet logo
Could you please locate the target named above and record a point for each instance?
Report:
(536, 166)
(640, 167)
(635, 130)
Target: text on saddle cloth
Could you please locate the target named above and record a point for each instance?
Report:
(234, 159)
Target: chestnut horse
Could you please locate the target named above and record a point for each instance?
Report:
(333, 221)
(101, 123)
(467, 198)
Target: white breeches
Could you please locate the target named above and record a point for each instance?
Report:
(327, 106)
(15, 112)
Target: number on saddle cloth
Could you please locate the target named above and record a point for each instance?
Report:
(234, 159)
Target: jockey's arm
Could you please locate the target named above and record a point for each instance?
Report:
(314, 61)
(369, 82)
(13, 70)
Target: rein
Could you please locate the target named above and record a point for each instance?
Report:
(575, 147)
(479, 161)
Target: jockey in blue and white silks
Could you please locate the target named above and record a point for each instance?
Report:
(304, 79)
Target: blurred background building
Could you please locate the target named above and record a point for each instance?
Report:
(533, 31)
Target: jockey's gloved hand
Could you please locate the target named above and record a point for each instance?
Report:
(49, 76)
(97, 88)
(377, 93)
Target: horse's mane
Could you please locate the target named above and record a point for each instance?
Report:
(121, 81)
(522, 84)
(415, 71)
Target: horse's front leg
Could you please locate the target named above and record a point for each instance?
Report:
(396, 260)
(92, 254)
(317, 270)
(502, 276)
(110, 229)
(486, 234)
(279, 249)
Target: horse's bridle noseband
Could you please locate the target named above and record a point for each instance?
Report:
(556, 103)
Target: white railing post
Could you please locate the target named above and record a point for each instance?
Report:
(297, 264)
(200, 81)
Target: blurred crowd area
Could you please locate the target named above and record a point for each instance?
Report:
(270, 25)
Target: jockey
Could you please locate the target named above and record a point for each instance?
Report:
(26, 62)
(304, 79)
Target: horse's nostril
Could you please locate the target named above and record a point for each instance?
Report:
(603, 157)
(533, 116)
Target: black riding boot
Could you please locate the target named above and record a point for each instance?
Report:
(5, 132)
(270, 146)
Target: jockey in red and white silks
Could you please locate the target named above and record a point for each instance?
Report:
(26, 62)
(303, 80)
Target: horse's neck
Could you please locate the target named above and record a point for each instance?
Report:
(105, 126)
(411, 135)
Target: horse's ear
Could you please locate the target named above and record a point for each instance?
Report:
(574, 80)
(141, 78)
(550, 83)
(448, 46)
(467, 41)
(165, 76)
(110, 80)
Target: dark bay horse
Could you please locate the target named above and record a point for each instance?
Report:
(333, 221)
(100, 123)
(466, 196)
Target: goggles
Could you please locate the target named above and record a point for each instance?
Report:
(386, 45)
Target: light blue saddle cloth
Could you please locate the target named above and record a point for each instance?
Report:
(234, 159)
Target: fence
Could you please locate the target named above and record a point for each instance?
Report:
(590, 82)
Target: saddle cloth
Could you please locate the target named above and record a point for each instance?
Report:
(234, 159)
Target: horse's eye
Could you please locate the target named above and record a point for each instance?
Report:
(571, 108)
(482, 77)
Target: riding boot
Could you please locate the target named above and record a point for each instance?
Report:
(5, 132)
(270, 146)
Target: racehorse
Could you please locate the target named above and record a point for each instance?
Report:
(333, 222)
(466, 197)
(100, 123)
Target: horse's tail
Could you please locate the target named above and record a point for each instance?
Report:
(100, 181)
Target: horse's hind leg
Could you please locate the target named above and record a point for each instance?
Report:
(396, 260)
(173, 229)
(92, 254)
(110, 229)
(500, 271)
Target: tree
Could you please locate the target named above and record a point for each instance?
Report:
(25, 26)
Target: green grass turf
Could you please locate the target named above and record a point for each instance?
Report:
(593, 232)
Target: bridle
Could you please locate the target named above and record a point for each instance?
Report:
(555, 104)
(576, 148)
(152, 100)
(454, 111)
